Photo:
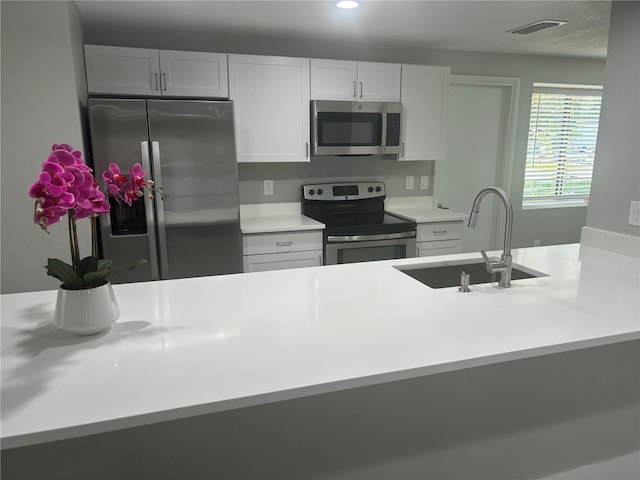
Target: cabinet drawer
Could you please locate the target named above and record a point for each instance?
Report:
(281, 242)
(428, 232)
(444, 247)
(282, 261)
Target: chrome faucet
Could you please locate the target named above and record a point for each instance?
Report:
(504, 265)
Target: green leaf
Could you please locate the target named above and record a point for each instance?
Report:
(65, 273)
(95, 279)
(86, 265)
(103, 265)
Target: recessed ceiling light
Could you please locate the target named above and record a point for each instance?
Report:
(347, 4)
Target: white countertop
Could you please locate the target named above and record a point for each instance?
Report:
(421, 210)
(275, 217)
(202, 345)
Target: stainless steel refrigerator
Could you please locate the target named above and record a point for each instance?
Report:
(187, 148)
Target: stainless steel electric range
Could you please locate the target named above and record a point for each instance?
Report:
(357, 227)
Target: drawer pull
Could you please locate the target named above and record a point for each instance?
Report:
(439, 232)
(284, 244)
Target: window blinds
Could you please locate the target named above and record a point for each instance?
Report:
(563, 130)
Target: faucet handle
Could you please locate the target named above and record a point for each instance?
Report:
(493, 264)
(488, 261)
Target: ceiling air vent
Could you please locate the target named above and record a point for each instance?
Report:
(536, 27)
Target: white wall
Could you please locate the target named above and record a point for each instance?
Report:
(616, 176)
(42, 84)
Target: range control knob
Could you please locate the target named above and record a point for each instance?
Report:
(378, 189)
(370, 189)
(320, 191)
(311, 191)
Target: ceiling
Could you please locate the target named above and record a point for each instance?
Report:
(444, 25)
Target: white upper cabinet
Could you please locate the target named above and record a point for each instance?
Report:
(129, 71)
(349, 80)
(140, 71)
(194, 74)
(424, 100)
(271, 96)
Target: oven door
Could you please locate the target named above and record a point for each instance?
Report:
(366, 248)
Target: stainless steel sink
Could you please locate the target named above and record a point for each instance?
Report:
(447, 274)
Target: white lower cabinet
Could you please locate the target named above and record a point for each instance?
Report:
(282, 250)
(440, 238)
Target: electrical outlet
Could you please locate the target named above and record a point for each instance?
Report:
(424, 182)
(634, 213)
(408, 182)
(268, 187)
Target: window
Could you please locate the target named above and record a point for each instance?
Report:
(563, 130)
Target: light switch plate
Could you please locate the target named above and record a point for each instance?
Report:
(268, 187)
(634, 213)
(424, 182)
(408, 182)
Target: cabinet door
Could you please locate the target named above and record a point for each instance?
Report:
(424, 102)
(271, 96)
(333, 79)
(132, 71)
(281, 261)
(194, 74)
(379, 82)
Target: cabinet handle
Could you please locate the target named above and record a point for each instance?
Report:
(164, 78)
(284, 244)
(319, 259)
(402, 154)
(306, 150)
(439, 232)
(355, 89)
(360, 89)
(156, 76)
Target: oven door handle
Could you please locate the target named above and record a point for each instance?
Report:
(362, 238)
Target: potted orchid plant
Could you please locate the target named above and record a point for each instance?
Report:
(66, 186)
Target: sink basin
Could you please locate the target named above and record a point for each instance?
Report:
(443, 275)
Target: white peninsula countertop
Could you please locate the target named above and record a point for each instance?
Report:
(196, 346)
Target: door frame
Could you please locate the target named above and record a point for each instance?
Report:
(512, 84)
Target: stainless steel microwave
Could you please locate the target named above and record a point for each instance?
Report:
(355, 128)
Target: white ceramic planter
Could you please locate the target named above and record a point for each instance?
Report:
(86, 312)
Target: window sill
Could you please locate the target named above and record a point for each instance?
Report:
(556, 204)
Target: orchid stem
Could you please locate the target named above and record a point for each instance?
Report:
(73, 233)
(94, 235)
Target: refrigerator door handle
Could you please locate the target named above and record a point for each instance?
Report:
(148, 207)
(160, 222)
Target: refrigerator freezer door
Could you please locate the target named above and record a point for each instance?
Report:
(193, 150)
(119, 134)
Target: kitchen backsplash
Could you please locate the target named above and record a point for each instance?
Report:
(288, 177)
